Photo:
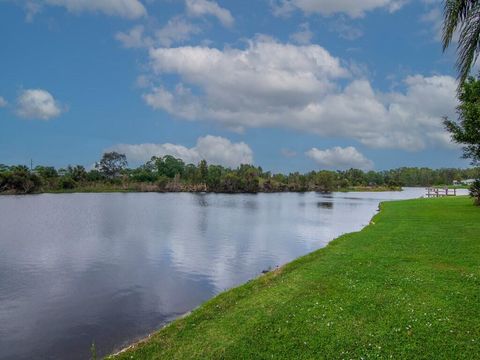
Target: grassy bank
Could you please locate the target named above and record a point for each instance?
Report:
(407, 286)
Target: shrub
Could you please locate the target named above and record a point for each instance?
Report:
(20, 181)
(95, 175)
(475, 192)
(162, 182)
(66, 183)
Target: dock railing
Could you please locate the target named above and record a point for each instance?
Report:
(440, 192)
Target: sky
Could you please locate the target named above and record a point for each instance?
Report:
(289, 85)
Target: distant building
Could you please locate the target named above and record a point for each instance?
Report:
(463, 182)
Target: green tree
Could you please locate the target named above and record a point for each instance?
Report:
(230, 182)
(250, 179)
(203, 171)
(190, 174)
(67, 183)
(46, 172)
(466, 130)
(168, 166)
(143, 174)
(77, 173)
(111, 164)
(214, 177)
(95, 176)
(296, 182)
(325, 181)
(475, 192)
(355, 177)
(19, 180)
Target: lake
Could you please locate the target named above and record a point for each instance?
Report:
(112, 268)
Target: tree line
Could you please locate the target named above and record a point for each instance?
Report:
(170, 174)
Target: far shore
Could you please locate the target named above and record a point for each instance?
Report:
(139, 189)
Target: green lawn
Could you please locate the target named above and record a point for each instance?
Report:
(407, 286)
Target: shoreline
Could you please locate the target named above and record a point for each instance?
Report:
(145, 339)
(195, 329)
(278, 269)
(136, 191)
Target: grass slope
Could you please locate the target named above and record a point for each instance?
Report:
(407, 286)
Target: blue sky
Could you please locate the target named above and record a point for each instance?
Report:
(286, 84)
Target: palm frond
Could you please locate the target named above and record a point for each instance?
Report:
(468, 43)
(463, 16)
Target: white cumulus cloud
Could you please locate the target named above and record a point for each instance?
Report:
(198, 8)
(3, 102)
(352, 8)
(214, 149)
(130, 9)
(38, 104)
(176, 30)
(134, 38)
(271, 84)
(339, 158)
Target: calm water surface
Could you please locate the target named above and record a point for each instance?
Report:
(110, 268)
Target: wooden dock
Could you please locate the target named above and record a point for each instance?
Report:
(440, 192)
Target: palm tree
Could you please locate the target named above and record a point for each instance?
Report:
(463, 15)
